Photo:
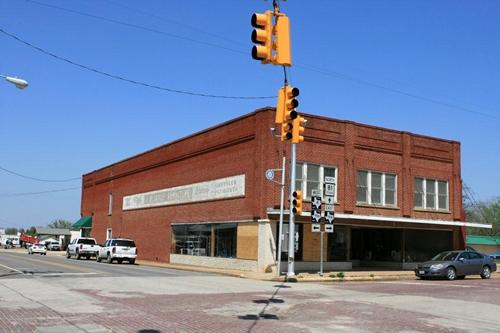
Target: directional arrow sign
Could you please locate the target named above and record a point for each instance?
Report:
(328, 227)
(316, 203)
(315, 216)
(329, 200)
(329, 217)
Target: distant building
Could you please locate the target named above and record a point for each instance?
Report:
(484, 244)
(46, 235)
(204, 199)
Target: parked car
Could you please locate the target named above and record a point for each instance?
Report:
(456, 265)
(118, 249)
(82, 247)
(54, 246)
(495, 256)
(37, 248)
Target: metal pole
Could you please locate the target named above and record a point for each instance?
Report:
(321, 251)
(291, 225)
(282, 203)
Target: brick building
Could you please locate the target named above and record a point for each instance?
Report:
(204, 199)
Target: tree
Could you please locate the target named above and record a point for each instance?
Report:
(484, 212)
(11, 231)
(60, 224)
(31, 231)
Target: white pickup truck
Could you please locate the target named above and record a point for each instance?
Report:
(118, 249)
(82, 247)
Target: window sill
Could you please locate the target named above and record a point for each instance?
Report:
(377, 206)
(429, 210)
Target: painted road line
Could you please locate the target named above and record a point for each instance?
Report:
(48, 262)
(12, 269)
(64, 274)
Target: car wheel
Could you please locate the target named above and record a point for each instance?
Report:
(451, 273)
(97, 258)
(486, 272)
(68, 255)
(45, 254)
(78, 256)
(109, 260)
(131, 261)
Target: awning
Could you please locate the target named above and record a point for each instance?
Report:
(84, 222)
(482, 240)
(343, 216)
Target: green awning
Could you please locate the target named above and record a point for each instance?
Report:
(84, 222)
(482, 240)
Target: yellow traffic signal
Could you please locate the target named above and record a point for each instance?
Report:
(280, 106)
(282, 41)
(297, 202)
(262, 35)
(298, 129)
(285, 108)
(286, 130)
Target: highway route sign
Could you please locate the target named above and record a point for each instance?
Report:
(316, 203)
(315, 216)
(329, 217)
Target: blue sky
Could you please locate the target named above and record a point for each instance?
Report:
(428, 67)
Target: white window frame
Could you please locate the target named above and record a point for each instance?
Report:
(436, 194)
(109, 233)
(110, 204)
(303, 178)
(382, 195)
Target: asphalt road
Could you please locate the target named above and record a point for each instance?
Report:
(48, 294)
(19, 264)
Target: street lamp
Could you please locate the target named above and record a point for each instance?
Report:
(19, 83)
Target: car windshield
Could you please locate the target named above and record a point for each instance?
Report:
(41, 245)
(86, 241)
(56, 243)
(122, 242)
(446, 256)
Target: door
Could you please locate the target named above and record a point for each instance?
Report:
(109, 233)
(476, 262)
(463, 264)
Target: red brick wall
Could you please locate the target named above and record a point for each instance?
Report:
(246, 146)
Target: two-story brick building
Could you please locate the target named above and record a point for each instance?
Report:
(204, 199)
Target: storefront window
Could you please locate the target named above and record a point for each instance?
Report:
(337, 244)
(197, 239)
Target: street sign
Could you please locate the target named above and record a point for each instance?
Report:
(329, 200)
(270, 174)
(316, 227)
(329, 208)
(329, 180)
(328, 227)
(316, 193)
(329, 217)
(316, 203)
(315, 216)
(330, 189)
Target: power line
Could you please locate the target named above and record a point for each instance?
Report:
(113, 76)
(39, 179)
(11, 195)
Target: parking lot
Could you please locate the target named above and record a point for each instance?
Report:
(54, 294)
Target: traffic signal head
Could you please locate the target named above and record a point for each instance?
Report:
(286, 130)
(282, 41)
(290, 102)
(262, 36)
(298, 129)
(297, 202)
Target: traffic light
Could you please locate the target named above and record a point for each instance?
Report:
(286, 130)
(262, 35)
(298, 129)
(285, 108)
(282, 41)
(297, 202)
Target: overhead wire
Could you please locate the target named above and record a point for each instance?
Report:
(22, 194)
(39, 179)
(324, 72)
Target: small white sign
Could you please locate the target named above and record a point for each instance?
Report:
(270, 174)
(316, 193)
(329, 189)
(329, 180)
(316, 227)
(329, 200)
(329, 228)
(329, 208)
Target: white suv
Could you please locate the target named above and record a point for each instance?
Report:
(118, 249)
(82, 247)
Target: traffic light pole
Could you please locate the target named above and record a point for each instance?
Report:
(282, 207)
(291, 223)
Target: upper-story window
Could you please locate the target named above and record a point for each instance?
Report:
(431, 194)
(110, 203)
(311, 177)
(376, 188)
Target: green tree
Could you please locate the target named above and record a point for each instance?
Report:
(11, 231)
(60, 224)
(484, 212)
(31, 231)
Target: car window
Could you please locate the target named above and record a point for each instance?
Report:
(446, 256)
(86, 241)
(475, 255)
(122, 242)
(464, 255)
